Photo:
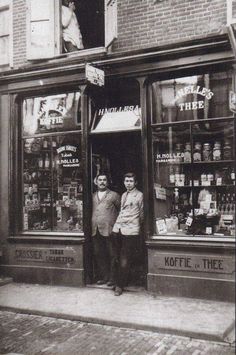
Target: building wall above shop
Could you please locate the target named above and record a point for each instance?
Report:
(141, 24)
(148, 23)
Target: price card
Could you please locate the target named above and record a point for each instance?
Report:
(161, 226)
(208, 230)
(189, 221)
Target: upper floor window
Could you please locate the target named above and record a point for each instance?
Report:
(5, 31)
(64, 26)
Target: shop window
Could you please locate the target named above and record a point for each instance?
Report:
(56, 27)
(117, 108)
(5, 32)
(194, 162)
(52, 165)
(191, 98)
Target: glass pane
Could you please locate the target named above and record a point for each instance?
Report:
(214, 179)
(172, 179)
(117, 107)
(4, 50)
(4, 22)
(67, 184)
(37, 185)
(53, 185)
(191, 98)
(51, 114)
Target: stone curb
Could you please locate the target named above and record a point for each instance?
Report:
(220, 338)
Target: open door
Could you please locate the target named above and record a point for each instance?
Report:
(119, 153)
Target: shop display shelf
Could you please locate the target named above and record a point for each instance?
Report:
(213, 162)
(198, 187)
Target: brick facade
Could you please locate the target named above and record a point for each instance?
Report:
(144, 23)
(147, 23)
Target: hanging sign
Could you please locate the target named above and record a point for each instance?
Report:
(94, 75)
(232, 101)
(68, 156)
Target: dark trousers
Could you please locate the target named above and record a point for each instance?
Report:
(105, 254)
(129, 250)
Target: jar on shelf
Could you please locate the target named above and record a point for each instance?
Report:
(207, 152)
(217, 151)
(227, 151)
(232, 176)
(197, 156)
(187, 153)
(179, 152)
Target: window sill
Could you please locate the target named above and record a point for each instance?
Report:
(190, 243)
(194, 238)
(64, 238)
(72, 55)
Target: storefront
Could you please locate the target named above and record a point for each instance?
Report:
(165, 118)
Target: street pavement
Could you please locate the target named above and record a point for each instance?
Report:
(194, 318)
(33, 335)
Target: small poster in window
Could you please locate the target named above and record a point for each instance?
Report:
(161, 226)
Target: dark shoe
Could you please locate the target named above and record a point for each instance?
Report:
(118, 291)
(110, 283)
(101, 282)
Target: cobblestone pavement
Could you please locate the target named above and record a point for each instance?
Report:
(31, 335)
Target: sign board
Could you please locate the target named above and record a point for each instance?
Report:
(196, 263)
(232, 101)
(94, 75)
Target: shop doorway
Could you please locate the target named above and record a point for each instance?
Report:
(119, 153)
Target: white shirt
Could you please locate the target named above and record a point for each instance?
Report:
(101, 194)
(71, 33)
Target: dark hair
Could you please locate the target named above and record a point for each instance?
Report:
(131, 175)
(103, 173)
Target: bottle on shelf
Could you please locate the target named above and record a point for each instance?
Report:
(45, 143)
(172, 175)
(46, 161)
(232, 175)
(54, 143)
(40, 162)
(197, 156)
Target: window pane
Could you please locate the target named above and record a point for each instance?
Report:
(4, 49)
(67, 184)
(172, 179)
(37, 184)
(53, 186)
(51, 114)
(214, 179)
(117, 107)
(191, 98)
(4, 22)
(194, 179)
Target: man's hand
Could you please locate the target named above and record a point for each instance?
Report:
(72, 6)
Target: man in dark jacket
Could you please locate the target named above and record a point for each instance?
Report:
(106, 205)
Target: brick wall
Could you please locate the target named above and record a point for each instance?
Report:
(148, 23)
(144, 23)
